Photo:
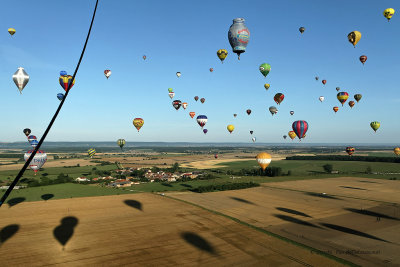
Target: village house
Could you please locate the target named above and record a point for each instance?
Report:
(82, 179)
(121, 183)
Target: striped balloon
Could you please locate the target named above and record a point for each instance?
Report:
(91, 152)
(66, 81)
(121, 143)
(202, 120)
(342, 97)
(263, 159)
(38, 160)
(34, 143)
(300, 128)
(350, 150)
(31, 137)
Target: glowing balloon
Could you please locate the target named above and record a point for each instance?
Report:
(388, 13)
(91, 152)
(375, 125)
(138, 123)
(66, 81)
(21, 79)
(300, 128)
(230, 128)
(350, 150)
(222, 54)
(202, 120)
(342, 97)
(107, 73)
(38, 160)
(265, 68)
(263, 159)
(354, 37)
(238, 36)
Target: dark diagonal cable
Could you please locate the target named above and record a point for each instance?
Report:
(21, 172)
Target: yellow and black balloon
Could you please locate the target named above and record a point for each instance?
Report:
(222, 54)
(388, 13)
(354, 37)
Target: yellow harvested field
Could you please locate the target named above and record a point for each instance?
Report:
(137, 229)
(355, 214)
(52, 163)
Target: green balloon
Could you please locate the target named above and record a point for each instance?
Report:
(170, 90)
(265, 68)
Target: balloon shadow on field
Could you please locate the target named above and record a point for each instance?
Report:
(198, 242)
(295, 220)
(7, 232)
(46, 197)
(166, 184)
(186, 185)
(371, 213)
(295, 212)
(350, 187)
(352, 231)
(242, 200)
(15, 201)
(321, 195)
(134, 204)
(65, 230)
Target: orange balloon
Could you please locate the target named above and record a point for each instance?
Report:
(263, 159)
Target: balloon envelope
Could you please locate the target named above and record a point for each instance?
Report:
(230, 128)
(176, 104)
(300, 128)
(350, 150)
(192, 114)
(11, 31)
(107, 73)
(60, 96)
(375, 125)
(396, 150)
(205, 131)
(342, 97)
(357, 97)
(238, 36)
(38, 160)
(273, 110)
(66, 82)
(121, 142)
(388, 13)
(354, 37)
(278, 98)
(138, 123)
(27, 131)
(201, 120)
(265, 68)
(292, 135)
(63, 72)
(222, 54)
(91, 152)
(263, 159)
(21, 79)
(31, 137)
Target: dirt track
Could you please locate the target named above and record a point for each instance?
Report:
(335, 222)
(152, 230)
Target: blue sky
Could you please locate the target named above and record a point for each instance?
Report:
(184, 36)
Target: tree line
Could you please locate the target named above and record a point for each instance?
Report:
(224, 187)
(346, 158)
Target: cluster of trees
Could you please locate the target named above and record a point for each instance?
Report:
(223, 187)
(346, 158)
(270, 172)
(44, 180)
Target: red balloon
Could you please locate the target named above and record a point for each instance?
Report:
(363, 58)
(202, 100)
(324, 82)
(335, 109)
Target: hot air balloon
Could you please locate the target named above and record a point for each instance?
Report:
(363, 58)
(196, 98)
(248, 111)
(178, 74)
(375, 125)
(388, 13)
(107, 73)
(253, 139)
(357, 97)
(265, 68)
(292, 135)
(342, 97)
(184, 105)
(350, 150)
(278, 98)
(91, 152)
(34, 143)
(66, 81)
(144, 57)
(20, 78)
(60, 96)
(205, 131)
(192, 114)
(12, 31)
(138, 123)
(27, 131)
(211, 69)
(273, 110)
(121, 143)
(338, 89)
(302, 29)
(202, 120)
(176, 104)
(171, 95)
(222, 54)
(202, 100)
(216, 156)
(235, 115)
(238, 36)
(31, 137)
(251, 132)
(170, 90)
(230, 128)
(316, 78)
(38, 160)
(321, 98)
(335, 109)
(354, 37)
(263, 159)
(300, 128)
(291, 112)
(324, 82)
(63, 72)
(351, 104)
(396, 150)
(266, 86)
(284, 137)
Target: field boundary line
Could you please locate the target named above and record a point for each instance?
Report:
(285, 239)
